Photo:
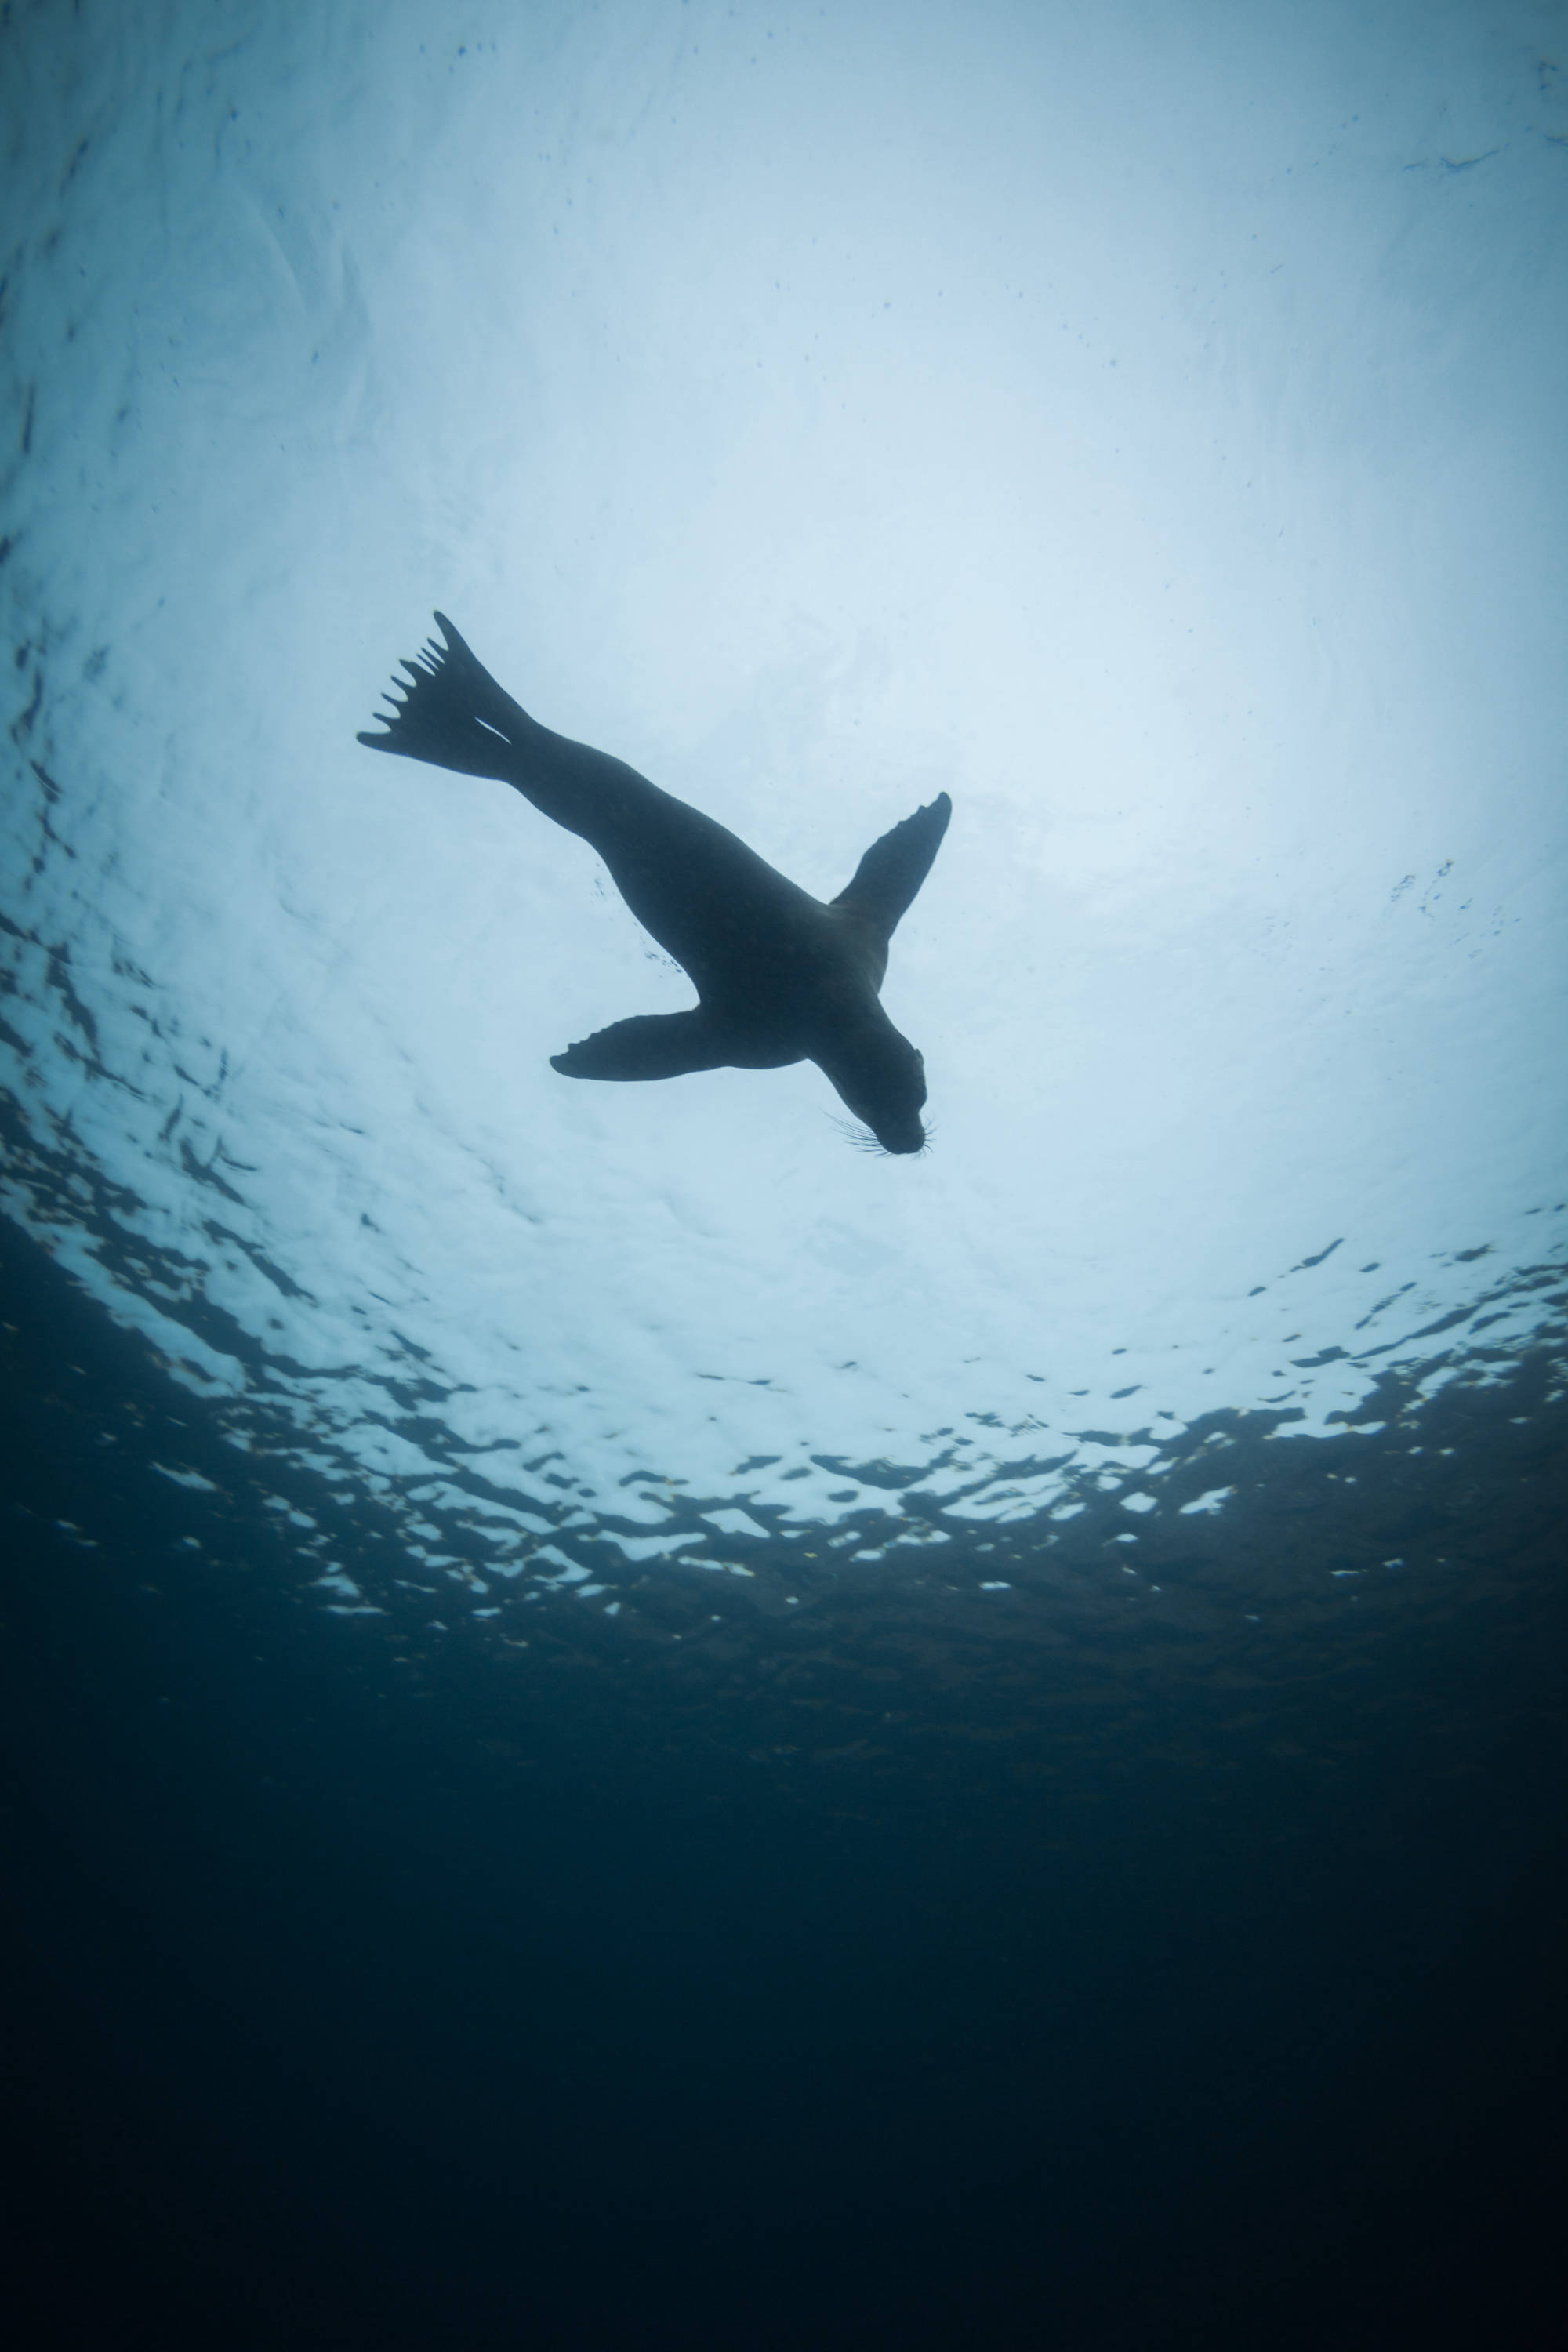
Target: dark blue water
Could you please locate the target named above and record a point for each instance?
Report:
(625, 1726)
(849, 1981)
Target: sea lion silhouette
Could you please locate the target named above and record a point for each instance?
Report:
(781, 977)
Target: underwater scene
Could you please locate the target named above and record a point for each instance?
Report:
(785, 1431)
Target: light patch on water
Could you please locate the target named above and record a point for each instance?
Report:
(1133, 421)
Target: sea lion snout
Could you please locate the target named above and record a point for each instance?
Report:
(885, 1087)
(905, 1136)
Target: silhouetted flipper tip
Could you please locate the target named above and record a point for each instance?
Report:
(888, 876)
(648, 1045)
(447, 709)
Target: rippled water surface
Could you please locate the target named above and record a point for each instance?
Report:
(1166, 464)
(1144, 423)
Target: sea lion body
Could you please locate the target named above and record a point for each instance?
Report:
(782, 977)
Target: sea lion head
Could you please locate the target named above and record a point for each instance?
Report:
(883, 1082)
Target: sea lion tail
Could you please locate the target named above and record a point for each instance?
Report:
(451, 713)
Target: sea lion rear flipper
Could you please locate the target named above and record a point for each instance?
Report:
(893, 869)
(450, 712)
(649, 1045)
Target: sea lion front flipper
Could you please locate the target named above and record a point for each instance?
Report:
(649, 1045)
(893, 869)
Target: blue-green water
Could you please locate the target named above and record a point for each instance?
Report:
(634, 1726)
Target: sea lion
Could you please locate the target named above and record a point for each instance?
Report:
(781, 977)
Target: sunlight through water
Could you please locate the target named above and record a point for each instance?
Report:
(1144, 423)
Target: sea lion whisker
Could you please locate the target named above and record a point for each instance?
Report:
(858, 1137)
